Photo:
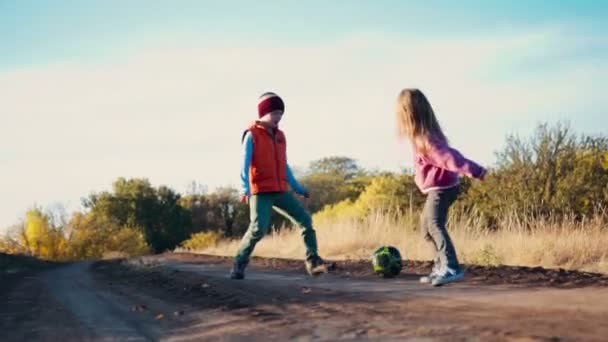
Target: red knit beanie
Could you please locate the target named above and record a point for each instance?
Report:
(269, 102)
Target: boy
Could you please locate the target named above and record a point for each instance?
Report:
(266, 179)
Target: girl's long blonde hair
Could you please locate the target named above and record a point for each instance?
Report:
(416, 120)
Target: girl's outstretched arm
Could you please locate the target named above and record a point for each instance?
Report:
(449, 158)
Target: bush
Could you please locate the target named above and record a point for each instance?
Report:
(202, 240)
(553, 173)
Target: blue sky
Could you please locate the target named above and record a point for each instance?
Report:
(95, 90)
(41, 32)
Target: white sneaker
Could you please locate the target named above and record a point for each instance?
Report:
(427, 279)
(435, 271)
(447, 276)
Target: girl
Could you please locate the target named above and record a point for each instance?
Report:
(437, 168)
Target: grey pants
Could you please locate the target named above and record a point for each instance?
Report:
(434, 226)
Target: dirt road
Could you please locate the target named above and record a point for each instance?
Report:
(183, 297)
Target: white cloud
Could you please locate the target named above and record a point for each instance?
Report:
(176, 114)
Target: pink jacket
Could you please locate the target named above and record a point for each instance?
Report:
(440, 168)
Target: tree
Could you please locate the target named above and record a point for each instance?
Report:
(41, 238)
(229, 214)
(92, 236)
(344, 166)
(14, 240)
(394, 193)
(334, 179)
(389, 193)
(199, 207)
(220, 211)
(325, 189)
(553, 173)
(157, 212)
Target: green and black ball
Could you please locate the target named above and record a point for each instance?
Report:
(387, 261)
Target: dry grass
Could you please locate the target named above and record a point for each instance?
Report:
(565, 243)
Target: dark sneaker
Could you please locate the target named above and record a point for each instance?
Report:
(316, 266)
(238, 270)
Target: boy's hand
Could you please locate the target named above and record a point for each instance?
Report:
(306, 196)
(305, 193)
(245, 199)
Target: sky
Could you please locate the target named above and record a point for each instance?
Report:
(95, 90)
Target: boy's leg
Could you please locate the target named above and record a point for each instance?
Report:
(288, 206)
(260, 211)
(436, 214)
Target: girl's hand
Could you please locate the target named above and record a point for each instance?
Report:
(245, 199)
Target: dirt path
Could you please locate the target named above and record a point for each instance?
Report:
(340, 306)
(102, 313)
(189, 298)
(68, 304)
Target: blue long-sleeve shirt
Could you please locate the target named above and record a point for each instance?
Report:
(248, 156)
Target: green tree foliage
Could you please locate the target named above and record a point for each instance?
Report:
(554, 172)
(344, 166)
(220, 211)
(135, 203)
(334, 179)
(91, 236)
(36, 236)
(391, 193)
(202, 240)
(41, 238)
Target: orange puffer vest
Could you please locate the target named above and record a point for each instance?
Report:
(268, 172)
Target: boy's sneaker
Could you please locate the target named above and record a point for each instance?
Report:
(447, 276)
(238, 270)
(316, 266)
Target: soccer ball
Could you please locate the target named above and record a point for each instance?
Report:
(387, 261)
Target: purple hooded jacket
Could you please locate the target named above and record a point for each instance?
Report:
(440, 167)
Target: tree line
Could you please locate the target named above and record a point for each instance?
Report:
(555, 172)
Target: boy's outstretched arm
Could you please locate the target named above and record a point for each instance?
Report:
(247, 155)
(295, 185)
